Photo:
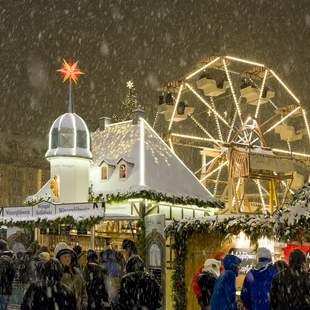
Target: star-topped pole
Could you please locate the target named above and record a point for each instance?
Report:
(70, 72)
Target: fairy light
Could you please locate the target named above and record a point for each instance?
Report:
(284, 85)
(291, 153)
(282, 120)
(207, 104)
(232, 126)
(202, 128)
(233, 91)
(142, 153)
(306, 121)
(261, 194)
(175, 107)
(193, 137)
(217, 181)
(217, 120)
(245, 61)
(202, 68)
(171, 145)
(155, 119)
(213, 171)
(205, 165)
(261, 93)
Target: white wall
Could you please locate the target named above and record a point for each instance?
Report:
(73, 175)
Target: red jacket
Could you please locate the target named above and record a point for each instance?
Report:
(195, 285)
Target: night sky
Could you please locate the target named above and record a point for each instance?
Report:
(150, 42)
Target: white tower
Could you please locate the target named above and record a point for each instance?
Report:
(70, 157)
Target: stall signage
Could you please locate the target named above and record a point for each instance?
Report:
(247, 256)
(43, 209)
(80, 209)
(17, 213)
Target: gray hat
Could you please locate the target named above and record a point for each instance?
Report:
(62, 248)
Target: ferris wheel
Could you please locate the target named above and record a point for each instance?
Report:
(247, 127)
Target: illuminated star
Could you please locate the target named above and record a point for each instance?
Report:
(209, 113)
(70, 72)
(130, 84)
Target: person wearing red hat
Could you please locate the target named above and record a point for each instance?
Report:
(219, 255)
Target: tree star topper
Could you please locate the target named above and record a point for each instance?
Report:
(70, 71)
(130, 84)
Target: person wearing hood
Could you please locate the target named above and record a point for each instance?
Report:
(257, 283)
(95, 278)
(72, 276)
(290, 289)
(139, 289)
(206, 280)
(224, 292)
(7, 273)
(49, 293)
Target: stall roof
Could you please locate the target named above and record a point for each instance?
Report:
(155, 167)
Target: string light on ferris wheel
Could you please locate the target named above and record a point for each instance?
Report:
(71, 72)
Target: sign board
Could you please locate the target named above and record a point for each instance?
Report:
(43, 209)
(48, 210)
(247, 256)
(17, 213)
(79, 210)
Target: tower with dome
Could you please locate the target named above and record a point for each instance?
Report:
(70, 157)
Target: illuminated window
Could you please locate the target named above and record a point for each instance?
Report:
(104, 172)
(122, 171)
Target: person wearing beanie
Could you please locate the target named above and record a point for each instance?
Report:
(49, 293)
(206, 280)
(290, 289)
(72, 276)
(139, 289)
(257, 282)
(224, 292)
(95, 278)
(7, 274)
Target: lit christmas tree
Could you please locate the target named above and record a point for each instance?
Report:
(128, 105)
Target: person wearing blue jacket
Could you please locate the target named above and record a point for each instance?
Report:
(255, 293)
(224, 292)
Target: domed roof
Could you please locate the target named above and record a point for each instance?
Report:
(69, 136)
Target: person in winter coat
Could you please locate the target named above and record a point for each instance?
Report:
(130, 248)
(7, 273)
(206, 281)
(219, 256)
(139, 289)
(257, 283)
(95, 278)
(72, 276)
(280, 266)
(290, 289)
(224, 292)
(49, 293)
(114, 267)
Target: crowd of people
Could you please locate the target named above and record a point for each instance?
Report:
(40, 280)
(268, 285)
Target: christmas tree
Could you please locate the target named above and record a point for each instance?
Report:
(128, 105)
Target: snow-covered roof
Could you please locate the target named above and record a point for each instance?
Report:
(155, 167)
(69, 136)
